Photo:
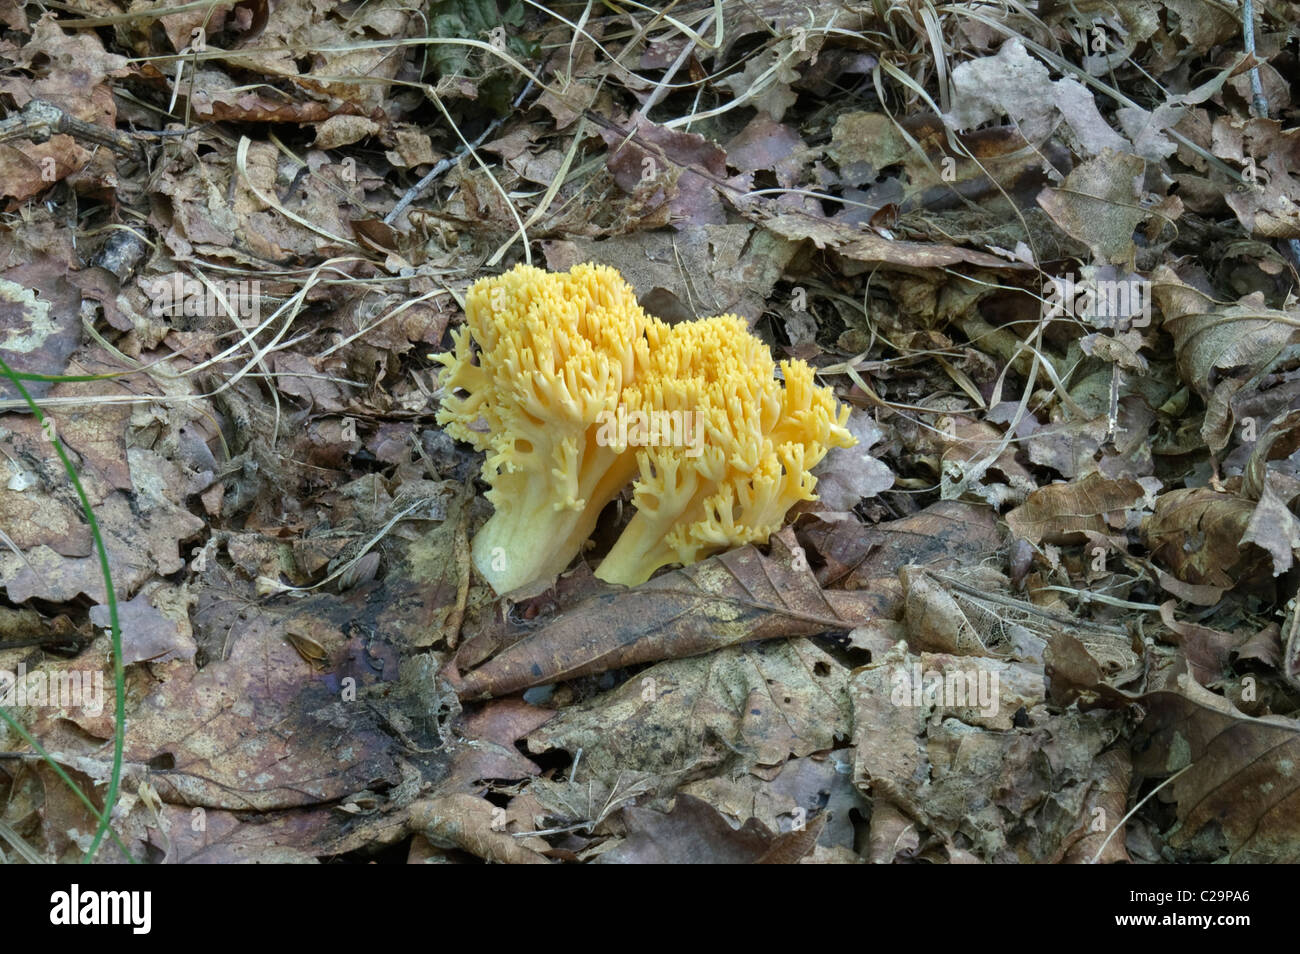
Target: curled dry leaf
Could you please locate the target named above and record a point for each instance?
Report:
(1274, 529)
(1207, 649)
(1219, 348)
(474, 825)
(1099, 839)
(935, 619)
(1269, 205)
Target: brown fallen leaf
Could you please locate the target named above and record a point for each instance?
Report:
(1017, 85)
(685, 168)
(868, 248)
(1099, 839)
(803, 787)
(734, 597)
(236, 837)
(741, 261)
(1274, 529)
(1010, 795)
(492, 732)
(28, 169)
(1237, 788)
(1061, 513)
(1208, 650)
(206, 736)
(854, 556)
(893, 838)
(39, 329)
(694, 832)
(1196, 532)
(1269, 205)
(1098, 204)
(937, 622)
(155, 625)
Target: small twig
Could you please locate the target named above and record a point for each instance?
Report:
(443, 165)
(39, 120)
(1258, 102)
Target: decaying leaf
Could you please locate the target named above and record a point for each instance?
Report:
(1099, 204)
(756, 704)
(926, 768)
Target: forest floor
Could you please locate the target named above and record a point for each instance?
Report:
(1043, 611)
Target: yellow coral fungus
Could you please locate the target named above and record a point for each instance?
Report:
(542, 360)
(761, 438)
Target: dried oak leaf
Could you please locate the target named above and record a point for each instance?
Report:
(848, 475)
(155, 626)
(492, 732)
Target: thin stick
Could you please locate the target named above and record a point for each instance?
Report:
(1094, 858)
(443, 165)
